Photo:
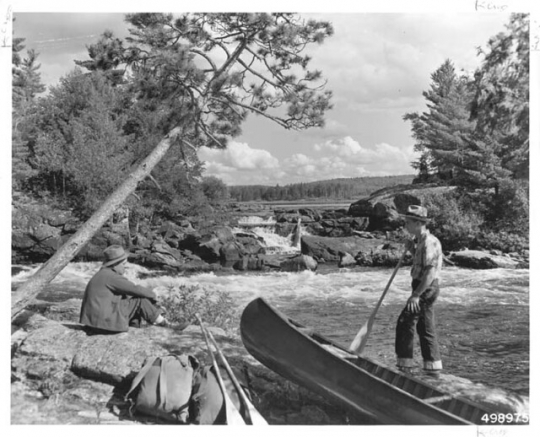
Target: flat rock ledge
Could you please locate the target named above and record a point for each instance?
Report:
(61, 375)
(477, 259)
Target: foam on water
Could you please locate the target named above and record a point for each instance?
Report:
(73, 272)
(274, 243)
(354, 286)
(252, 219)
(365, 286)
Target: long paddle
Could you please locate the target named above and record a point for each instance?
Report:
(252, 415)
(233, 415)
(359, 342)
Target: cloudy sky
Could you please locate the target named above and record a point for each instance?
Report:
(376, 64)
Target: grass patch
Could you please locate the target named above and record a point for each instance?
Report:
(215, 308)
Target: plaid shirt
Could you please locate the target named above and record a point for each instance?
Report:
(428, 252)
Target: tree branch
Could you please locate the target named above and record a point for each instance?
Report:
(205, 56)
(154, 181)
(278, 120)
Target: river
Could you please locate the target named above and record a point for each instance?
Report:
(482, 315)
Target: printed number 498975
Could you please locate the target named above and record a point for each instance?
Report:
(505, 418)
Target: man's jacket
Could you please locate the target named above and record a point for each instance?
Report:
(105, 301)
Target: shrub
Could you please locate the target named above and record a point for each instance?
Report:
(508, 210)
(454, 222)
(215, 308)
(503, 241)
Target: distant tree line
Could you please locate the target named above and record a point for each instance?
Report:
(343, 188)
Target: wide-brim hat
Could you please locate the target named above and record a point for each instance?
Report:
(416, 212)
(114, 254)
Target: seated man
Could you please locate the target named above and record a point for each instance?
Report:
(112, 303)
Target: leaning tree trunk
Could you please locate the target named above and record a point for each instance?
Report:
(65, 254)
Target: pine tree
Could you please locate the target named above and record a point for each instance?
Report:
(79, 145)
(501, 104)
(442, 132)
(26, 85)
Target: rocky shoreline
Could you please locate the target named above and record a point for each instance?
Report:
(367, 234)
(60, 375)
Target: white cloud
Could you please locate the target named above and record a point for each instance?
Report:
(241, 157)
(348, 157)
(342, 158)
(240, 164)
(373, 59)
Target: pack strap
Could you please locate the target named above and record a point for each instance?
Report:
(142, 373)
(163, 383)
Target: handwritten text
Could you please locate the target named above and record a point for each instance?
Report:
(494, 6)
(5, 28)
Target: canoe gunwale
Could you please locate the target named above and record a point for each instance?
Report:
(283, 359)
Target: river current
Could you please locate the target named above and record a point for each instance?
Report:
(482, 315)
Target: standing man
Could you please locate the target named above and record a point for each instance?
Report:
(419, 312)
(112, 303)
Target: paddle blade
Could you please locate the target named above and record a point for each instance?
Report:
(233, 415)
(257, 419)
(359, 339)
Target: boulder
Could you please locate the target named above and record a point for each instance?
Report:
(340, 226)
(388, 256)
(346, 260)
(252, 244)
(172, 233)
(142, 241)
(385, 255)
(37, 232)
(44, 232)
(56, 218)
(91, 252)
(384, 206)
(359, 223)
(310, 215)
(164, 248)
(170, 230)
(328, 249)
(208, 245)
(314, 228)
(115, 238)
(21, 241)
(230, 253)
(24, 219)
(71, 226)
(160, 260)
(288, 217)
(476, 259)
(270, 261)
(47, 248)
(361, 208)
(298, 263)
(250, 262)
(403, 200)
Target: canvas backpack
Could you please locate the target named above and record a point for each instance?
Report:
(164, 388)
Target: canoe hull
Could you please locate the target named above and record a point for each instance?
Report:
(277, 343)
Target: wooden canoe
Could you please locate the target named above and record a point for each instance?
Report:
(367, 389)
